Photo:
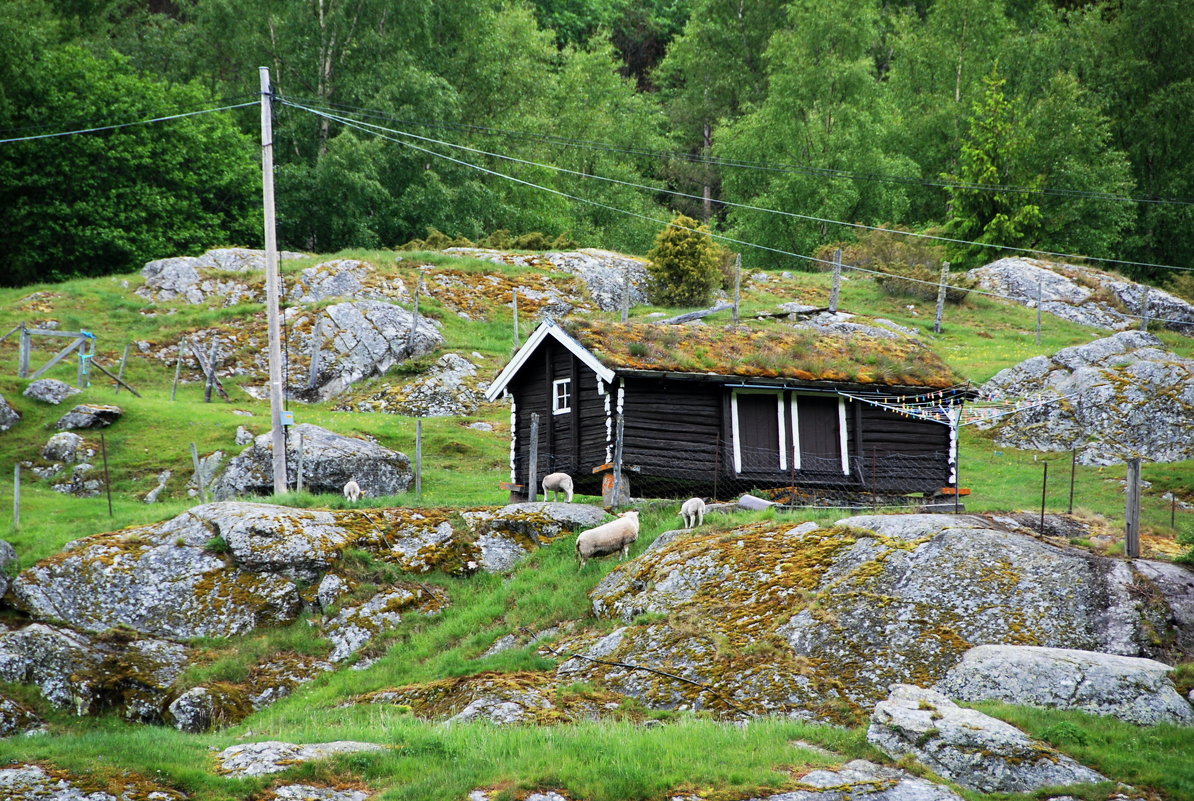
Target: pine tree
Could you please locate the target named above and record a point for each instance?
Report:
(683, 267)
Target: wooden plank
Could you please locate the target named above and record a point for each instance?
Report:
(62, 354)
(118, 380)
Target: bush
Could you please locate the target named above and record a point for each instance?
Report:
(685, 265)
(911, 266)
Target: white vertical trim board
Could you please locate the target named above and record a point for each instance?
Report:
(795, 431)
(783, 431)
(841, 434)
(513, 440)
(734, 431)
(609, 427)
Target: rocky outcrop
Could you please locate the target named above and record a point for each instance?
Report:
(1132, 689)
(90, 415)
(503, 699)
(968, 747)
(50, 390)
(354, 626)
(16, 718)
(357, 339)
(8, 558)
(844, 324)
(195, 279)
(350, 279)
(329, 460)
(122, 671)
(450, 388)
(860, 780)
(1082, 294)
(261, 759)
(1111, 399)
(78, 483)
(9, 416)
(603, 272)
(21, 782)
(818, 624)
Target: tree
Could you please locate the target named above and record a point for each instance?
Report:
(104, 202)
(994, 154)
(684, 264)
(825, 120)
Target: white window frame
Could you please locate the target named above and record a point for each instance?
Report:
(559, 384)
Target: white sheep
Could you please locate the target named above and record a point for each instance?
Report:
(693, 512)
(352, 491)
(557, 483)
(612, 537)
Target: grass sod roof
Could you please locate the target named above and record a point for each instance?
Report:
(771, 351)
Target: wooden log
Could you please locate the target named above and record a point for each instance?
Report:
(203, 367)
(118, 380)
(696, 315)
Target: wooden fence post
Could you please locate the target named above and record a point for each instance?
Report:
(737, 285)
(198, 474)
(123, 361)
(941, 291)
(24, 348)
(414, 322)
(298, 485)
(1144, 309)
(1073, 470)
(418, 457)
(1132, 514)
(836, 294)
(107, 477)
(517, 338)
(533, 460)
(211, 370)
(616, 500)
(316, 347)
(1040, 291)
(1044, 487)
(177, 369)
(625, 302)
(16, 497)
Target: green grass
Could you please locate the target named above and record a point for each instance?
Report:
(463, 467)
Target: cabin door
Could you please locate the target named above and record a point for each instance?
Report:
(819, 423)
(759, 432)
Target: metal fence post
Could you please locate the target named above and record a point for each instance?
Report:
(1132, 515)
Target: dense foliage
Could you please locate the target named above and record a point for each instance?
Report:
(1033, 124)
(683, 264)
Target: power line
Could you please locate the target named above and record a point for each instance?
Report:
(368, 128)
(766, 166)
(126, 124)
(794, 215)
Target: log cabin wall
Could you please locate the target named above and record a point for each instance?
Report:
(899, 453)
(672, 428)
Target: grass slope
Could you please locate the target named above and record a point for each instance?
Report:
(463, 467)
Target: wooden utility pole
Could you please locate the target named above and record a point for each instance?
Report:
(836, 294)
(1132, 515)
(271, 283)
(533, 460)
(737, 285)
(941, 290)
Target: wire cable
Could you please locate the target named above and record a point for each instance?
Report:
(126, 124)
(368, 128)
(746, 206)
(765, 166)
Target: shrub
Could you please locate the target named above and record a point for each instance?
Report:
(911, 266)
(684, 265)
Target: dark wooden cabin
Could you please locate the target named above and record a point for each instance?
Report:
(764, 420)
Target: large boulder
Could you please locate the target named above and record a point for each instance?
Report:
(260, 759)
(195, 279)
(25, 782)
(90, 415)
(964, 745)
(1132, 689)
(50, 390)
(182, 578)
(357, 339)
(1111, 399)
(1083, 295)
(354, 626)
(126, 673)
(775, 619)
(16, 718)
(330, 461)
(65, 446)
(9, 416)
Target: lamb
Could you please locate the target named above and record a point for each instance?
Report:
(352, 491)
(693, 512)
(612, 537)
(557, 483)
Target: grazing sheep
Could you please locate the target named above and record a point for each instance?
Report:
(557, 483)
(693, 512)
(352, 491)
(613, 537)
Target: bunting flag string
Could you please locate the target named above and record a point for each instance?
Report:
(989, 407)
